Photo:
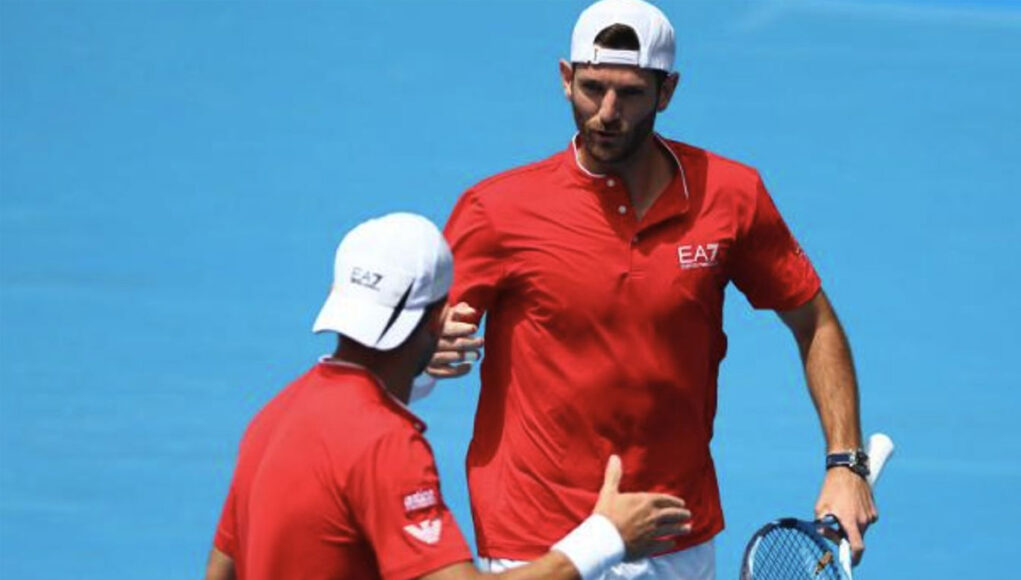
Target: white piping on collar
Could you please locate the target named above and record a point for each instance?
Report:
(577, 160)
(680, 166)
(660, 140)
(328, 360)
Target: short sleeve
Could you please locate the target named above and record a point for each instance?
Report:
(394, 492)
(225, 539)
(768, 265)
(478, 260)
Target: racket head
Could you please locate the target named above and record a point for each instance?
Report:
(791, 549)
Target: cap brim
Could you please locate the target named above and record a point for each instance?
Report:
(366, 322)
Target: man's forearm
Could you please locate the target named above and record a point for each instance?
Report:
(829, 371)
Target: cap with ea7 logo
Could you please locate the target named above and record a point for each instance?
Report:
(387, 271)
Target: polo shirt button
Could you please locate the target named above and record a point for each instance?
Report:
(611, 182)
(622, 209)
(634, 240)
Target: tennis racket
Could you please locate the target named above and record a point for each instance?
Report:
(793, 549)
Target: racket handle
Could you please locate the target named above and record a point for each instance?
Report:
(844, 557)
(879, 449)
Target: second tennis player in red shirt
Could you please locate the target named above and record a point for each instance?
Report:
(602, 272)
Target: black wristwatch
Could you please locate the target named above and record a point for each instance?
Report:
(857, 461)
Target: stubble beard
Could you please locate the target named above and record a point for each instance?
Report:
(616, 155)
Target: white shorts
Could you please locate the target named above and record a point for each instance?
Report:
(695, 563)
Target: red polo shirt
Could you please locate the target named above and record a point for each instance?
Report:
(604, 334)
(334, 480)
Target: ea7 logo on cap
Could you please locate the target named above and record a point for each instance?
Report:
(698, 255)
(366, 278)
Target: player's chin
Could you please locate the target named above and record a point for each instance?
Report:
(607, 154)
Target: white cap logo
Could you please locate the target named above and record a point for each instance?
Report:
(387, 271)
(366, 278)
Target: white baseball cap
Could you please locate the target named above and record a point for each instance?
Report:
(387, 271)
(655, 35)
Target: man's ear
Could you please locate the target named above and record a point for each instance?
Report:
(666, 90)
(566, 77)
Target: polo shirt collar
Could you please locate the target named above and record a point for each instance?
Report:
(327, 362)
(677, 194)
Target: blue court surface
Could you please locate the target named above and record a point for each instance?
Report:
(175, 176)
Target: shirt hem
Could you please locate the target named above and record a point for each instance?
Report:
(532, 552)
(419, 569)
(224, 545)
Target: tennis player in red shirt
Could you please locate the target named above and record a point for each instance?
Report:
(601, 271)
(334, 479)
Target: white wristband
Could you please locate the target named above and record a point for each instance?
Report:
(593, 547)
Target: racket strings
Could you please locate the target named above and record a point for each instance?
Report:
(790, 554)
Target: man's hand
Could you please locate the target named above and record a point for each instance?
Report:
(848, 497)
(645, 521)
(458, 348)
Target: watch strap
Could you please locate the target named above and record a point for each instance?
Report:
(856, 460)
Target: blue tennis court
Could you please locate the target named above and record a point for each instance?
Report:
(174, 177)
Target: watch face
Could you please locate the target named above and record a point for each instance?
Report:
(857, 461)
(863, 460)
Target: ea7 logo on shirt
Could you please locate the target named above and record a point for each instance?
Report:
(427, 532)
(365, 278)
(698, 255)
(420, 500)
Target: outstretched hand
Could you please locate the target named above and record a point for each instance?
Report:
(646, 521)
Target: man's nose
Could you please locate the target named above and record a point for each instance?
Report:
(609, 108)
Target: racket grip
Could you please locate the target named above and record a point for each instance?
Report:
(879, 449)
(844, 557)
